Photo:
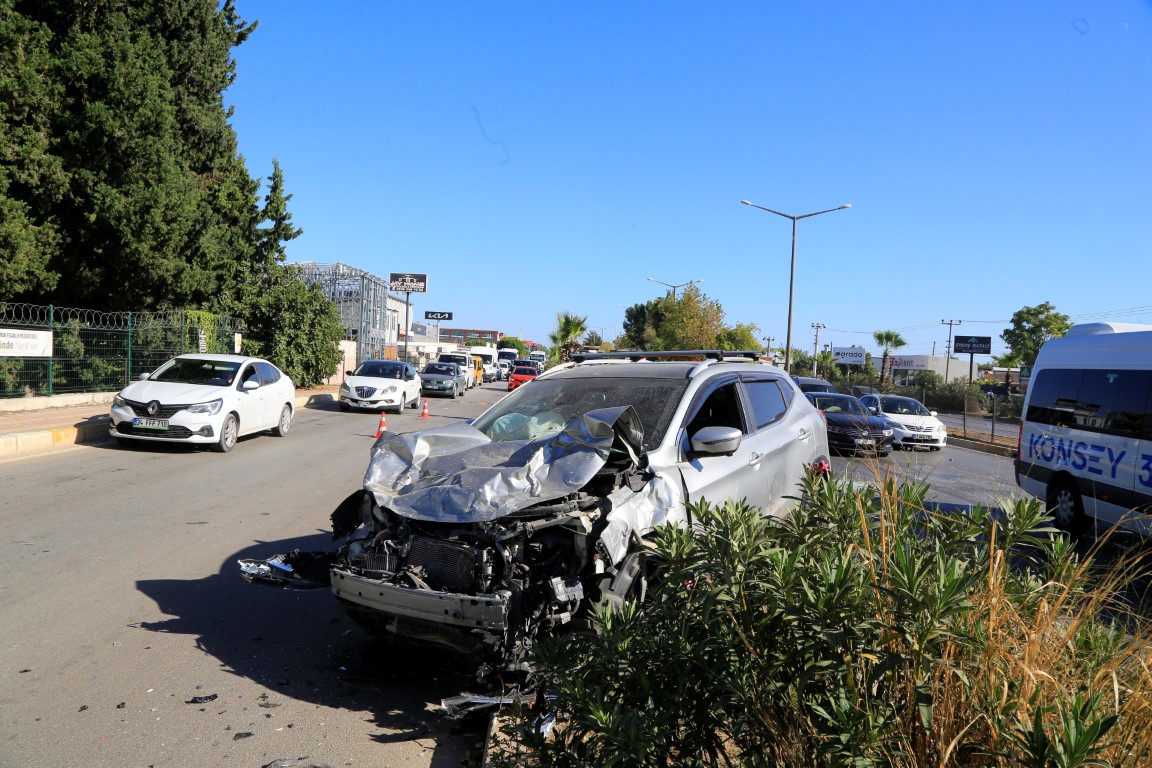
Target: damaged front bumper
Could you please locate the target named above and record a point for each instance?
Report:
(488, 613)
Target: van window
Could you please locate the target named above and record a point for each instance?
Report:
(1113, 402)
(1110, 402)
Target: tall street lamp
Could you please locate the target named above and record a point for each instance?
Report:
(674, 287)
(792, 273)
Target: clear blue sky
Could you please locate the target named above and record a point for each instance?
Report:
(533, 157)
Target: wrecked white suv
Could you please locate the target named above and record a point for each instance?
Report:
(479, 537)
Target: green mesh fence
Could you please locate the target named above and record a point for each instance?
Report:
(100, 351)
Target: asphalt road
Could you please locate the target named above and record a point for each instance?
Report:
(127, 637)
(120, 603)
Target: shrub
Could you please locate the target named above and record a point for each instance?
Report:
(861, 630)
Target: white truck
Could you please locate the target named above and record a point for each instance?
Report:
(488, 354)
(540, 358)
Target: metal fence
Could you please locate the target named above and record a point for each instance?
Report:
(52, 350)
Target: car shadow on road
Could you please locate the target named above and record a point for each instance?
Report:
(300, 645)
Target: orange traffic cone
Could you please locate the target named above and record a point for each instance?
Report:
(383, 425)
(424, 413)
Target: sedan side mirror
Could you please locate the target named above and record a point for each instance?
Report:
(347, 373)
(144, 376)
(932, 412)
(716, 441)
(250, 384)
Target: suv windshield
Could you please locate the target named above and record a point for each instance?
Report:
(549, 403)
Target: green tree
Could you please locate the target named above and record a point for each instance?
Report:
(32, 178)
(1031, 327)
(126, 171)
(306, 348)
(592, 339)
(887, 341)
(513, 343)
(1008, 361)
(691, 320)
(688, 321)
(566, 338)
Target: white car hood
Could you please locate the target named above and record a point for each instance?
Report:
(912, 420)
(375, 382)
(173, 392)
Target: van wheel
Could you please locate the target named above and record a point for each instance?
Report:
(1067, 508)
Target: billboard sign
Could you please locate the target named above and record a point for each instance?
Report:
(407, 282)
(849, 355)
(16, 342)
(437, 316)
(975, 345)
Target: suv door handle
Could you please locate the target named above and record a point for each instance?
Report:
(803, 434)
(755, 459)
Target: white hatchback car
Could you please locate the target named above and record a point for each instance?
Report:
(208, 399)
(913, 425)
(387, 385)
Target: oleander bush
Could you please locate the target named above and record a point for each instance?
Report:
(862, 630)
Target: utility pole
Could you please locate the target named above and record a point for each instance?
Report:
(948, 349)
(816, 345)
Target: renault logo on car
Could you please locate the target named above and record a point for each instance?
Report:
(153, 407)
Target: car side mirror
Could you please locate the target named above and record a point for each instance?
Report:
(250, 385)
(144, 376)
(932, 412)
(716, 441)
(347, 373)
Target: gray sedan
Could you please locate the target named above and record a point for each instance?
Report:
(443, 379)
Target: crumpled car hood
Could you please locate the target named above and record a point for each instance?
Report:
(456, 473)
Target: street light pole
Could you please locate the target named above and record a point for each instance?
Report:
(792, 271)
(816, 344)
(674, 287)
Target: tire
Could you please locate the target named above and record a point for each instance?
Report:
(455, 391)
(229, 431)
(285, 422)
(1066, 507)
(883, 454)
(345, 407)
(415, 402)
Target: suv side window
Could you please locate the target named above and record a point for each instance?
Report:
(768, 404)
(720, 408)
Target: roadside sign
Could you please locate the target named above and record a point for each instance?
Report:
(437, 315)
(407, 282)
(849, 355)
(973, 345)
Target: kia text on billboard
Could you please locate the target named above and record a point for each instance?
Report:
(407, 282)
(848, 355)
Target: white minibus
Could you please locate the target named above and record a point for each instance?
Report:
(1085, 443)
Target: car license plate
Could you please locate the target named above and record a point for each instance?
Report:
(865, 441)
(150, 423)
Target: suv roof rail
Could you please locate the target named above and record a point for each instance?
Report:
(636, 355)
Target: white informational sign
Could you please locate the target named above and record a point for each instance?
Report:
(16, 342)
(849, 355)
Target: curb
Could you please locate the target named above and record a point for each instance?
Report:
(43, 440)
(983, 446)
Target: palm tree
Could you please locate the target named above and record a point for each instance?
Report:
(887, 341)
(569, 330)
